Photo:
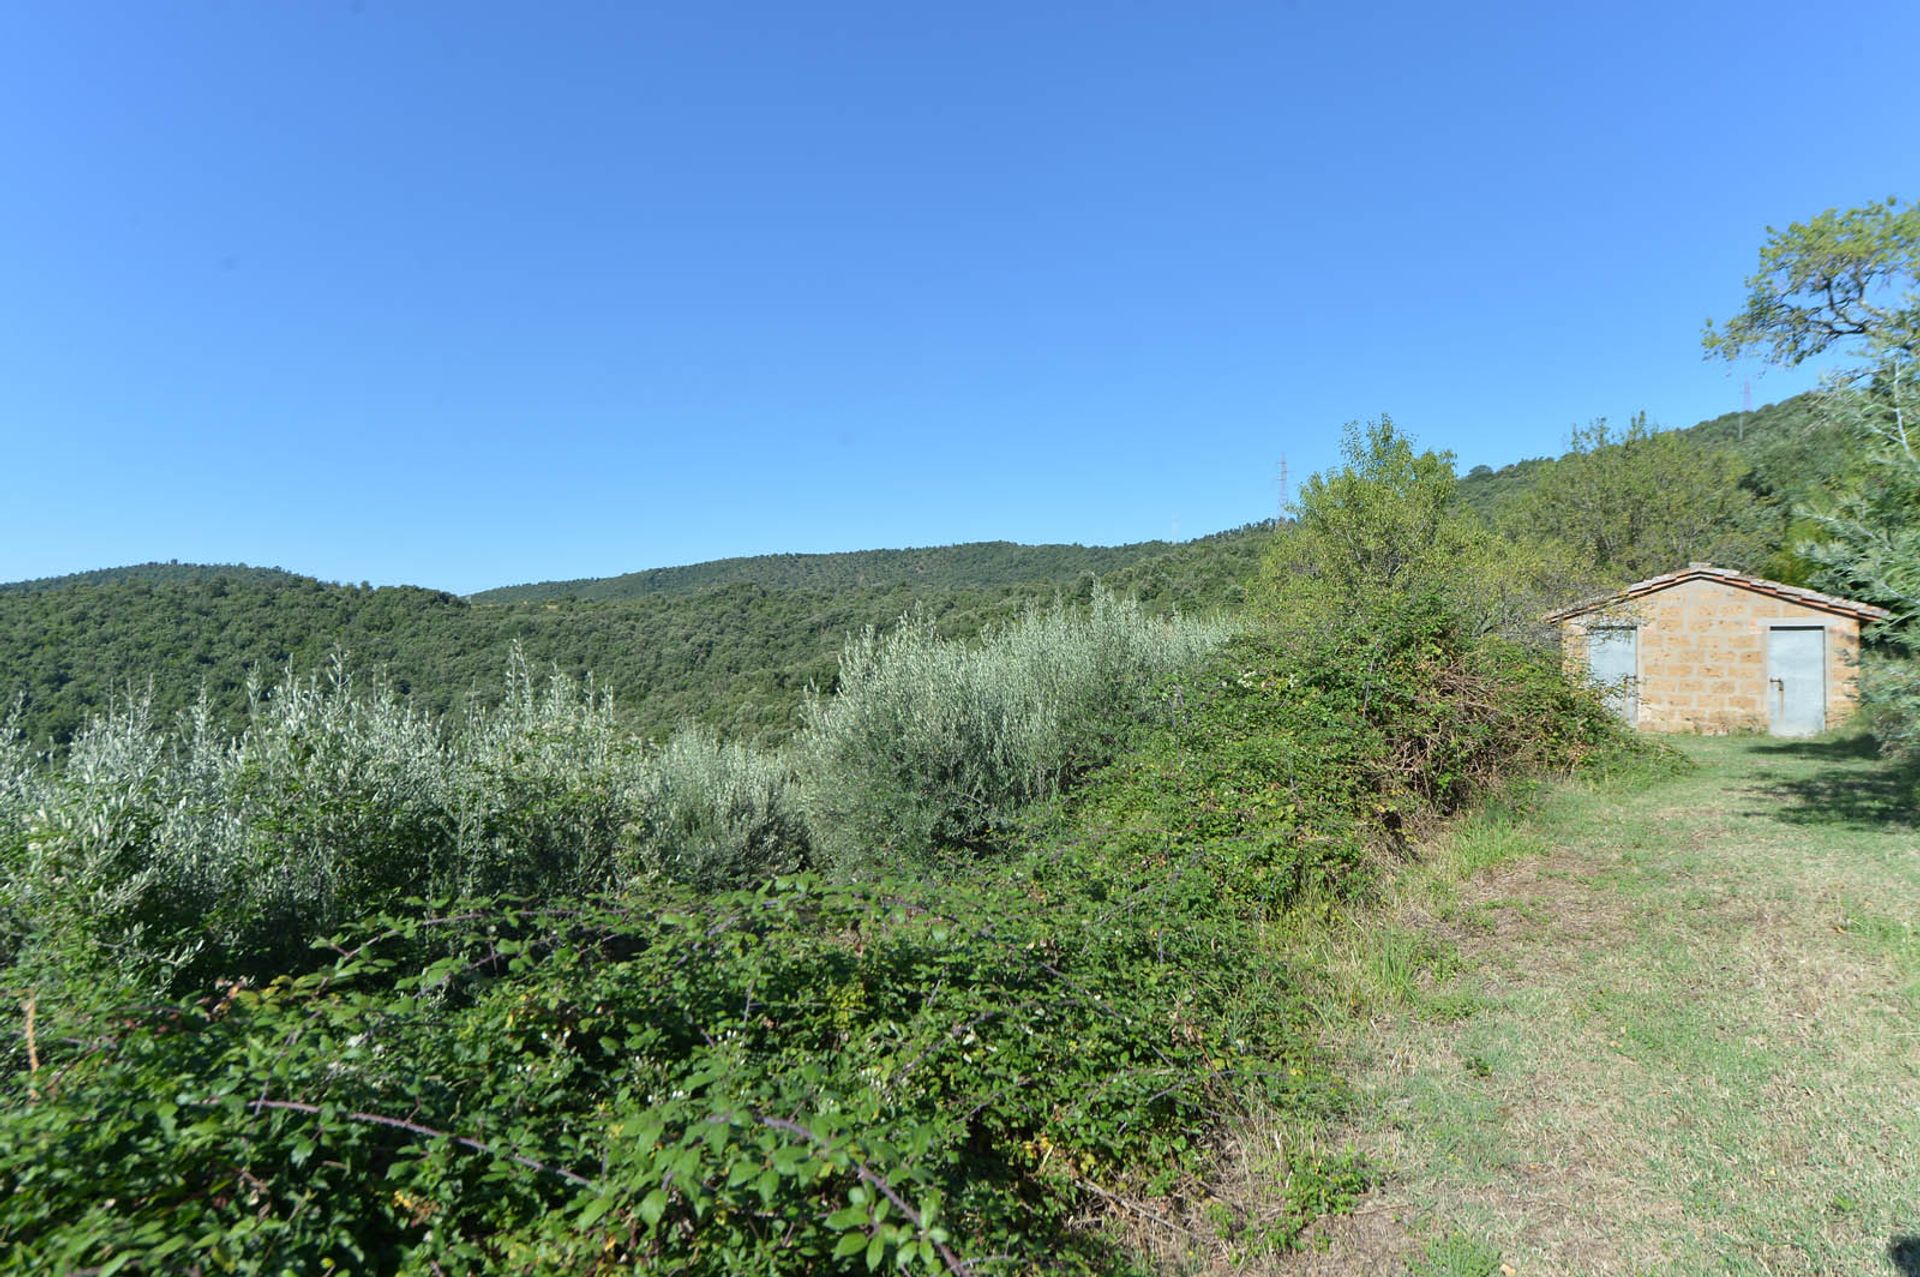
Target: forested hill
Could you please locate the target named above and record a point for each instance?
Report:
(732, 643)
(172, 573)
(736, 656)
(1789, 452)
(976, 565)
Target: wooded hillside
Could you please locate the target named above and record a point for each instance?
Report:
(731, 644)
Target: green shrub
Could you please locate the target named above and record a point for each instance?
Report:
(808, 1078)
(718, 814)
(932, 743)
(1286, 775)
(168, 855)
(1385, 541)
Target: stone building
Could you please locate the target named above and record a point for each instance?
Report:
(1711, 650)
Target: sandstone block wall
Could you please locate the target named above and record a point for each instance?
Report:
(1703, 655)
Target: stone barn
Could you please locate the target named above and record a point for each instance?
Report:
(1710, 650)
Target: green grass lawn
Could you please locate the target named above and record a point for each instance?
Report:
(1656, 1026)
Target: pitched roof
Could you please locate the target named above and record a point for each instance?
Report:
(1726, 576)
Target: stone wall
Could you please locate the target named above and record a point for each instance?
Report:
(1703, 655)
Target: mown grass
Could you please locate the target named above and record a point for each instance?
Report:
(1664, 1023)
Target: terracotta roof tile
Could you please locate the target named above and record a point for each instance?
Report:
(1703, 571)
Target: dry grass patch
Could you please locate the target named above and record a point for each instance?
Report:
(1682, 1040)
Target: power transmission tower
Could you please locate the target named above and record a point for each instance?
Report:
(1280, 508)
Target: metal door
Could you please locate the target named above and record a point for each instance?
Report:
(1797, 680)
(1613, 661)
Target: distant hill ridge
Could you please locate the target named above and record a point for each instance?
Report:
(169, 573)
(732, 643)
(1767, 436)
(970, 565)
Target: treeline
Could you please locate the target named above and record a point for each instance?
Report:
(170, 573)
(736, 658)
(734, 644)
(971, 566)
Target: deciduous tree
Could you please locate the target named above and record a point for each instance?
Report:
(1382, 550)
(1838, 279)
(1851, 281)
(1636, 502)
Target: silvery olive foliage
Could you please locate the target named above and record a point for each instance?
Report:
(170, 851)
(932, 743)
(719, 814)
(161, 849)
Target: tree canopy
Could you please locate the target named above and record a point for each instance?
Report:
(1632, 503)
(1834, 279)
(1852, 281)
(1382, 550)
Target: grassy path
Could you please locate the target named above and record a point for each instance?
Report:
(1672, 1028)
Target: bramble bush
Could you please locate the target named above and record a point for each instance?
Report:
(1384, 683)
(810, 1077)
(1291, 775)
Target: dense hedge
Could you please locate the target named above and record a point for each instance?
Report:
(1287, 774)
(806, 1078)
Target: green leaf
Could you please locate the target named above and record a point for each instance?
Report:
(849, 1244)
(652, 1207)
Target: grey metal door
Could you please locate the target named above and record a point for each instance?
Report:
(1613, 661)
(1797, 680)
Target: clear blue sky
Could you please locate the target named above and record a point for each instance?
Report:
(465, 294)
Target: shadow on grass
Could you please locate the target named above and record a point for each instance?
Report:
(1905, 1254)
(1857, 746)
(1842, 793)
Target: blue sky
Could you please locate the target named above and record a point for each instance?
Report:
(464, 294)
